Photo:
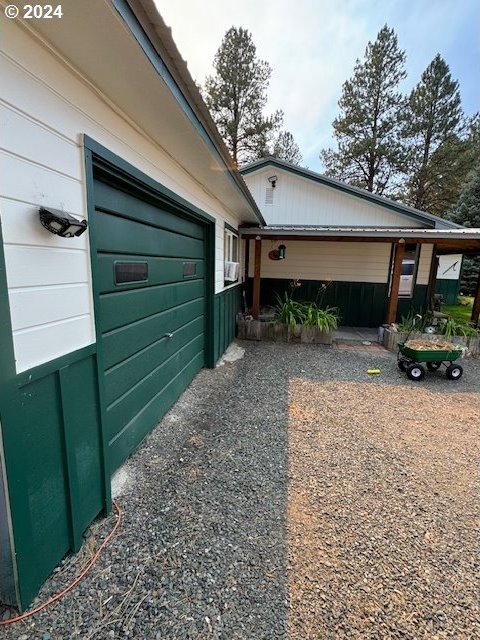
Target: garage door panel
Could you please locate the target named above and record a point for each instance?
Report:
(121, 343)
(126, 374)
(119, 235)
(121, 203)
(134, 432)
(151, 310)
(124, 307)
(160, 271)
(125, 408)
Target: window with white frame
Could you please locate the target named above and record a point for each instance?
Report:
(231, 256)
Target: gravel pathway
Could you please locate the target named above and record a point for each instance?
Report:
(274, 501)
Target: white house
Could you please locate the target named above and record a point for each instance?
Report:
(101, 332)
(357, 241)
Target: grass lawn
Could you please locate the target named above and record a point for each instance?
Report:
(459, 311)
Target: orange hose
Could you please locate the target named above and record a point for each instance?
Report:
(84, 572)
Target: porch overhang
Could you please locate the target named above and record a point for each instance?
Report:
(445, 241)
(459, 240)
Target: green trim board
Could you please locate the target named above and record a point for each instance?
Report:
(361, 304)
(230, 228)
(8, 572)
(449, 289)
(227, 305)
(428, 219)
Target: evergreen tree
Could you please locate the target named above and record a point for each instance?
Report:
(370, 150)
(432, 126)
(237, 94)
(285, 148)
(467, 212)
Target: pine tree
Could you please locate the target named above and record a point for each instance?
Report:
(432, 127)
(467, 212)
(285, 148)
(237, 94)
(370, 150)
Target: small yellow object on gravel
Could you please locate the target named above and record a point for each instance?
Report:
(373, 371)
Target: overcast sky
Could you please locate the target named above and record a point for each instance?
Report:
(312, 46)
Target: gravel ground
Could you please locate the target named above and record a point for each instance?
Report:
(290, 495)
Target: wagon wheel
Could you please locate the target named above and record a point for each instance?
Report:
(433, 366)
(454, 372)
(403, 364)
(415, 372)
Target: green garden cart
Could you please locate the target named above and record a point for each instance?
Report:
(410, 361)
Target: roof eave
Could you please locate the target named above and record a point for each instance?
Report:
(152, 23)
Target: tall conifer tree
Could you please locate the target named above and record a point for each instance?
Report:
(237, 94)
(370, 150)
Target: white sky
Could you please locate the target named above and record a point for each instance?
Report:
(312, 47)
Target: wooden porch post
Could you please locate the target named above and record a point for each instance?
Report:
(395, 282)
(476, 303)
(256, 277)
(432, 278)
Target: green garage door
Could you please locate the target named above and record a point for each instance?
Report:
(150, 279)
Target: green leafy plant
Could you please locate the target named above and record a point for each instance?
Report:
(292, 312)
(451, 327)
(323, 319)
(288, 311)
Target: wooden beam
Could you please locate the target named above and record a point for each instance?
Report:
(467, 244)
(476, 303)
(256, 278)
(395, 282)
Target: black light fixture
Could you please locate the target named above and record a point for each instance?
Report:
(61, 223)
(282, 249)
(273, 181)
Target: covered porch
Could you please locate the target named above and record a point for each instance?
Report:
(362, 267)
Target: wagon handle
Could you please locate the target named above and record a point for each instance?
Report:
(416, 317)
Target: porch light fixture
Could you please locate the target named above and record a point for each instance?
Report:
(61, 223)
(282, 250)
(273, 181)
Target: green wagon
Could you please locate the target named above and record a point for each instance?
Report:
(410, 361)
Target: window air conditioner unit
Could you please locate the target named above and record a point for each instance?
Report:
(231, 271)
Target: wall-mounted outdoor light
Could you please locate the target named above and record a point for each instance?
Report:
(278, 254)
(61, 223)
(273, 181)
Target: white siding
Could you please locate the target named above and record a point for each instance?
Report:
(301, 201)
(340, 261)
(44, 109)
(424, 263)
(449, 267)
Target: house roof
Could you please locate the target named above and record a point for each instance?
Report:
(150, 18)
(392, 205)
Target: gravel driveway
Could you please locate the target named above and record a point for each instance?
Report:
(291, 495)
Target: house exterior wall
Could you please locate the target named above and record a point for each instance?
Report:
(316, 260)
(357, 272)
(42, 164)
(298, 200)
